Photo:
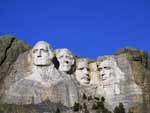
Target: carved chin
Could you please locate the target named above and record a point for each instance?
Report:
(64, 68)
(84, 82)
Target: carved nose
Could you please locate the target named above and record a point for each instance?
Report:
(86, 71)
(102, 74)
(39, 54)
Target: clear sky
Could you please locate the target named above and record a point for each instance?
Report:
(89, 28)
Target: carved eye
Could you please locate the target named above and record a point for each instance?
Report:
(107, 68)
(44, 50)
(81, 68)
(69, 57)
(100, 68)
(35, 50)
(88, 69)
(60, 56)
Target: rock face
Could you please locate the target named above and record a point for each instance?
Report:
(10, 49)
(33, 76)
(118, 82)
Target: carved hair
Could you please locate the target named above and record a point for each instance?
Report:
(49, 47)
(65, 50)
(81, 60)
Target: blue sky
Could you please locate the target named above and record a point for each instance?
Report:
(89, 28)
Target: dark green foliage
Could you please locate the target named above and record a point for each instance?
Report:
(96, 98)
(98, 111)
(84, 106)
(102, 111)
(116, 110)
(84, 97)
(119, 109)
(130, 112)
(76, 107)
(89, 98)
(57, 111)
(94, 106)
(102, 99)
(80, 107)
(100, 105)
(86, 111)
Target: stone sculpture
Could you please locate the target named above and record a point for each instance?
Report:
(33, 85)
(42, 54)
(82, 76)
(33, 77)
(66, 66)
(65, 59)
(82, 71)
(111, 78)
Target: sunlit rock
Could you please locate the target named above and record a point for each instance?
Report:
(32, 76)
(82, 71)
(117, 82)
(66, 67)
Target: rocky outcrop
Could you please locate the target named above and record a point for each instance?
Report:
(10, 49)
(31, 77)
(139, 63)
(34, 79)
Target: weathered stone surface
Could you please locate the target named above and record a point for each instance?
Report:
(37, 76)
(66, 60)
(128, 89)
(34, 79)
(82, 71)
(30, 80)
(66, 67)
(10, 49)
(135, 55)
(94, 78)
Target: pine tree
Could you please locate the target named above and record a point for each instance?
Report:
(84, 106)
(84, 97)
(57, 111)
(102, 99)
(76, 107)
(121, 108)
(116, 110)
(94, 106)
(89, 98)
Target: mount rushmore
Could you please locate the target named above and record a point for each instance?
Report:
(42, 73)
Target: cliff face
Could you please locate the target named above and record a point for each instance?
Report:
(10, 49)
(123, 77)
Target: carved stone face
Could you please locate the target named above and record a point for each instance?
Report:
(82, 72)
(65, 59)
(105, 69)
(42, 54)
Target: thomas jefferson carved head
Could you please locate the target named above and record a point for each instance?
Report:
(42, 54)
(65, 59)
